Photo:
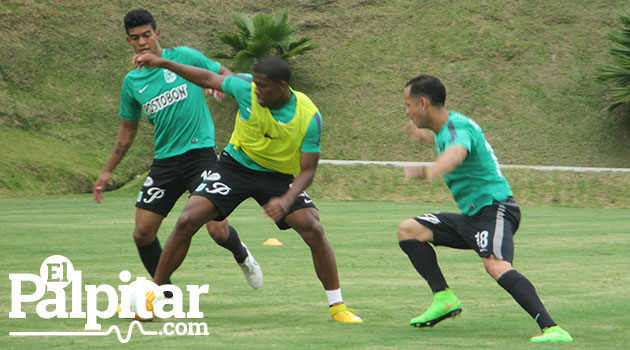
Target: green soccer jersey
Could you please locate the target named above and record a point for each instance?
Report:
(176, 107)
(239, 86)
(478, 180)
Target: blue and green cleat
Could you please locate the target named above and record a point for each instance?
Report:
(552, 334)
(445, 304)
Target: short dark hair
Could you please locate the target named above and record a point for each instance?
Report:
(428, 86)
(137, 18)
(274, 67)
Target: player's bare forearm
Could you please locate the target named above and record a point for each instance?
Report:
(308, 166)
(217, 94)
(225, 71)
(124, 139)
(277, 207)
(196, 75)
(446, 162)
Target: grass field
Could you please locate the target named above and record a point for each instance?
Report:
(577, 258)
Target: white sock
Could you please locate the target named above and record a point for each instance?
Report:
(334, 296)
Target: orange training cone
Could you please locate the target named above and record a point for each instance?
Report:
(272, 241)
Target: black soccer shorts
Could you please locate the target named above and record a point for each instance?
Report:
(170, 177)
(230, 183)
(489, 231)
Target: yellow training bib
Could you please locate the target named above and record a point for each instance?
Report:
(270, 143)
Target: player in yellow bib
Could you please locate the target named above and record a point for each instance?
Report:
(272, 157)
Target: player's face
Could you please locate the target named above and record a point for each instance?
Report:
(416, 109)
(271, 94)
(144, 39)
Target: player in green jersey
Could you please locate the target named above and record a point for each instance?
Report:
(272, 157)
(490, 216)
(184, 143)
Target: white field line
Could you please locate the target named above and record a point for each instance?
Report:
(534, 167)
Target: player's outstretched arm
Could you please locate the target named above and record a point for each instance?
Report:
(277, 207)
(218, 95)
(196, 75)
(126, 134)
(446, 162)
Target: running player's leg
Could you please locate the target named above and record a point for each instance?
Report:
(503, 221)
(227, 237)
(520, 288)
(214, 199)
(145, 237)
(196, 213)
(158, 195)
(196, 168)
(414, 236)
(306, 222)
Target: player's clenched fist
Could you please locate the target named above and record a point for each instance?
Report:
(148, 60)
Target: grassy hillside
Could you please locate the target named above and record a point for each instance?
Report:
(524, 70)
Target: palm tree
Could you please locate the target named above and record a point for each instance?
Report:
(619, 72)
(260, 37)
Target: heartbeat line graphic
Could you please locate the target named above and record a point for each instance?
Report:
(90, 334)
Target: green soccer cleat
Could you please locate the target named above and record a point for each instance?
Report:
(445, 304)
(552, 334)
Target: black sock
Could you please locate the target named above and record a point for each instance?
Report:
(150, 256)
(423, 258)
(233, 244)
(523, 291)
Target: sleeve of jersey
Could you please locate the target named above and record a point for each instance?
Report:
(198, 59)
(460, 135)
(130, 109)
(239, 86)
(312, 139)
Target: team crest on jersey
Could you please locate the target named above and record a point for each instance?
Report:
(169, 76)
(148, 182)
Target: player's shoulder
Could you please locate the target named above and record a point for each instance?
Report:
(304, 100)
(462, 121)
(457, 117)
(181, 49)
(186, 55)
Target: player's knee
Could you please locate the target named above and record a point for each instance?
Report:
(187, 224)
(496, 267)
(409, 229)
(143, 236)
(218, 230)
(312, 232)
(315, 228)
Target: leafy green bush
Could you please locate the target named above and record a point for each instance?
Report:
(262, 36)
(619, 72)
